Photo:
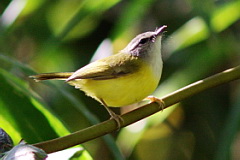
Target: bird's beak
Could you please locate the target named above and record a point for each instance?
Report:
(160, 30)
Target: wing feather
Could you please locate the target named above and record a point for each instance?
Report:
(111, 67)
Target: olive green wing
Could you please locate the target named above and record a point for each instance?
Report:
(110, 67)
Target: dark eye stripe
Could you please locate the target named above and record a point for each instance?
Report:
(143, 41)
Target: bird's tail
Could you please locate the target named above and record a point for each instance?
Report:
(51, 76)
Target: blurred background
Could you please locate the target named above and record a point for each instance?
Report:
(202, 39)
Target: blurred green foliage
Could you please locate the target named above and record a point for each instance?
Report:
(202, 39)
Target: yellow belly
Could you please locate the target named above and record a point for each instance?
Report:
(121, 91)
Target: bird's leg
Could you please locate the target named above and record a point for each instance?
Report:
(155, 99)
(118, 119)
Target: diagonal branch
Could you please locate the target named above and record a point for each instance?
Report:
(139, 113)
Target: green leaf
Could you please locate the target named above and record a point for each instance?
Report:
(131, 15)
(225, 16)
(25, 113)
(231, 129)
(78, 17)
(192, 32)
(81, 155)
(74, 109)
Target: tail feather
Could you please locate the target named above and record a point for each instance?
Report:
(51, 76)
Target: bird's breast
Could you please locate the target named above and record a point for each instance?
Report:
(123, 90)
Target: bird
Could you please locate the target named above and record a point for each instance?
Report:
(121, 79)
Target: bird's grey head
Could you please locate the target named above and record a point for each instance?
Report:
(144, 43)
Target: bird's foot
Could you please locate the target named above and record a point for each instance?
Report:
(117, 118)
(157, 100)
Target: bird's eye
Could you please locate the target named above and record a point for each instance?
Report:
(143, 41)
